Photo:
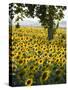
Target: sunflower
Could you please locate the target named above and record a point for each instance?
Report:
(35, 45)
(63, 61)
(50, 61)
(16, 55)
(58, 60)
(36, 68)
(20, 62)
(31, 67)
(44, 48)
(29, 82)
(62, 49)
(44, 55)
(40, 61)
(45, 76)
(14, 67)
(26, 61)
(59, 55)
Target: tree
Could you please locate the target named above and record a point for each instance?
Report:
(47, 14)
(16, 9)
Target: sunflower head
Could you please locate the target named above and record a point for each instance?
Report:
(45, 75)
(20, 62)
(28, 82)
(40, 61)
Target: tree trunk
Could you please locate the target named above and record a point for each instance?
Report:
(50, 29)
(50, 33)
(50, 23)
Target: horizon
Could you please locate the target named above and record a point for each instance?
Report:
(34, 23)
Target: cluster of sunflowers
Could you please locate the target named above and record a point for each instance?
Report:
(34, 59)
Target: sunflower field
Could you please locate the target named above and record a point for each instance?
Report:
(34, 59)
